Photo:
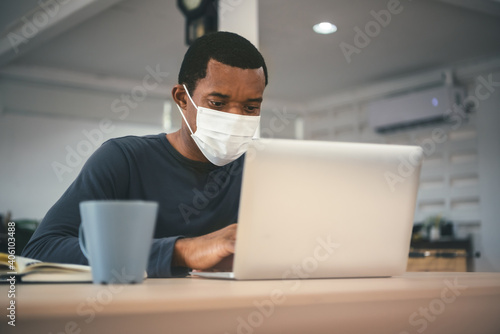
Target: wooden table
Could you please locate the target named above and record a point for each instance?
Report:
(413, 303)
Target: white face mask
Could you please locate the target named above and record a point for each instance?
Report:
(222, 137)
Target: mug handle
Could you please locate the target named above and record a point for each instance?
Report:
(81, 241)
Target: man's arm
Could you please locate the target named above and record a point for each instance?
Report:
(104, 176)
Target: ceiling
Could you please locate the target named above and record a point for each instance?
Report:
(121, 38)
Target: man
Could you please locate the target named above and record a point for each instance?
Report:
(194, 174)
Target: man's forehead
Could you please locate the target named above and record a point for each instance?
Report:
(226, 81)
(216, 69)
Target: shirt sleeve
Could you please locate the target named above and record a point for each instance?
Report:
(105, 175)
(160, 259)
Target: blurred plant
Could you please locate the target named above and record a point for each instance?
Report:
(434, 221)
(434, 226)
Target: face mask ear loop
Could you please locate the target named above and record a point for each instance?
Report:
(182, 114)
(189, 96)
(185, 120)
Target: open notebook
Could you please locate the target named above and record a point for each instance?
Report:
(29, 270)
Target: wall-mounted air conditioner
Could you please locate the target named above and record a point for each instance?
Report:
(413, 109)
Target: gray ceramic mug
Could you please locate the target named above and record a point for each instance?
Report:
(116, 237)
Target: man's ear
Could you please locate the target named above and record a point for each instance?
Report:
(179, 96)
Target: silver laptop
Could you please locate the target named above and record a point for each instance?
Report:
(311, 209)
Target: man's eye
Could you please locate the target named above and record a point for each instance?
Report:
(217, 104)
(251, 109)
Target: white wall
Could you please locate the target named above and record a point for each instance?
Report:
(52, 120)
(29, 146)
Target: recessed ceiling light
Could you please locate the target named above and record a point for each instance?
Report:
(325, 28)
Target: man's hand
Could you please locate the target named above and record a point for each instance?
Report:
(210, 251)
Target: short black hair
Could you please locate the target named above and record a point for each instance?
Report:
(225, 47)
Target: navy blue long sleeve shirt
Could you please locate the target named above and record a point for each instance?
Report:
(195, 198)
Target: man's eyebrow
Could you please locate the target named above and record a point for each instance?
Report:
(258, 99)
(224, 96)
